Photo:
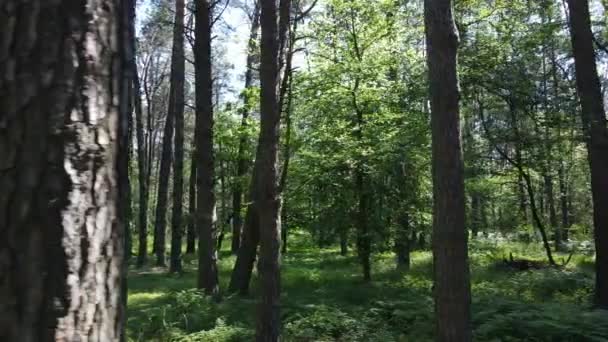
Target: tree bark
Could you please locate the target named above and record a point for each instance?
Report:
(237, 197)
(178, 75)
(450, 257)
(269, 203)
(126, 118)
(163, 180)
(205, 209)
(596, 133)
(142, 161)
(191, 233)
(62, 237)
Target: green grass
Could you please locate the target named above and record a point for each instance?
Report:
(324, 299)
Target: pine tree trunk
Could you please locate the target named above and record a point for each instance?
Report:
(191, 234)
(403, 244)
(269, 203)
(475, 213)
(163, 189)
(237, 197)
(142, 161)
(243, 266)
(61, 99)
(178, 75)
(126, 119)
(594, 121)
(450, 257)
(563, 197)
(206, 216)
(549, 193)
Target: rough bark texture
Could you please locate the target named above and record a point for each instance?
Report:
(191, 233)
(205, 209)
(450, 258)
(269, 203)
(241, 170)
(177, 78)
(61, 242)
(594, 120)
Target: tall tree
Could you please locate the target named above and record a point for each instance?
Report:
(596, 134)
(59, 141)
(241, 171)
(205, 209)
(142, 226)
(191, 233)
(175, 88)
(178, 75)
(450, 258)
(269, 203)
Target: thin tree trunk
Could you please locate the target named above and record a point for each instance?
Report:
(594, 121)
(224, 205)
(563, 197)
(243, 266)
(475, 213)
(178, 160)
(191, 234)
(126, 120)
(62, 237)
(269, 204)
(205, 209)
(143, 169)
(450, 258)
(167, 152)
(403, 243)
(237, 197)
(549, 193)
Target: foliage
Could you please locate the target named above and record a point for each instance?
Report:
(324, 301)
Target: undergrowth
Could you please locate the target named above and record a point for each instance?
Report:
(324, 299)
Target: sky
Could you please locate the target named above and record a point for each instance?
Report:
(233, 39)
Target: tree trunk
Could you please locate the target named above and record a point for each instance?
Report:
(243, 266)
(269, 203)
(62, 238)
(191, 234)
(563, 197)
(178, 161)
(450, 258)
(126, 119)
(594, 121)
(163, 179)
(237, 197)
(205, 209)
(552, 211)
(142, 161)
(402, 243)
(224, 205)
(343, 241)
(475, 213)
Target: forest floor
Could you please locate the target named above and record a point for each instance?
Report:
(324, 299)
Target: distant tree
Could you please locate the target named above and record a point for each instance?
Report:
(177, 82)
